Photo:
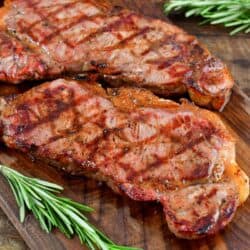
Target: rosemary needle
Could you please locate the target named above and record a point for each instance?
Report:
(230, 13)
(51, 211)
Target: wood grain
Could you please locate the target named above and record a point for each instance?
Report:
(140, 224)
(9, 237)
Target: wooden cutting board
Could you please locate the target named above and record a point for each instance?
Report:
(136, 223)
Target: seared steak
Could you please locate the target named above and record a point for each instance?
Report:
(145, 147)
(44, 39)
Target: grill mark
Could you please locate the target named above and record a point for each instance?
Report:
(164, 63)
(169, 62)
(124, 19)
(94, 145)
(108, 132)
(202, 197)
(62, 107)
(50, 6)
(119, 155)
(94, 141)
(20, 51)
(91, 144)
(71, 103)
(171, 156)
(69, 26)
(181, 56)
(157, 44)
(76, 114)
(95, 148)
(71, 98)
(108, 28)
(91, 35)
(76, 127)
(131, 146)
(127, 39)
(103, 29)
(203, 223)
(134, 145)
(136, 174)
(104, 5)
(45, 18)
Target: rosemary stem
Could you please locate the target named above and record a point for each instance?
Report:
(230, 13)
(50, 210)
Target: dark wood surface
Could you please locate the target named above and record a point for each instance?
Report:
(125, 221)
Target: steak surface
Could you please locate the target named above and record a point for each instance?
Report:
(148, 148)
(45, 39)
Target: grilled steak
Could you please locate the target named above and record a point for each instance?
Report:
(44, 39)
(148, 148)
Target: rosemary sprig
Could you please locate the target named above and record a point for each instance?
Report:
(51, 210)
(231, 13)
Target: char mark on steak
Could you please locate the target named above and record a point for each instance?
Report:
(41, 40)
(148, 148)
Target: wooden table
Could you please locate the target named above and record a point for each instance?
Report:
(234, 50)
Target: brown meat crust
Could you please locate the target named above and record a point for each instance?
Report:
(125, 48)
(143, 146)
